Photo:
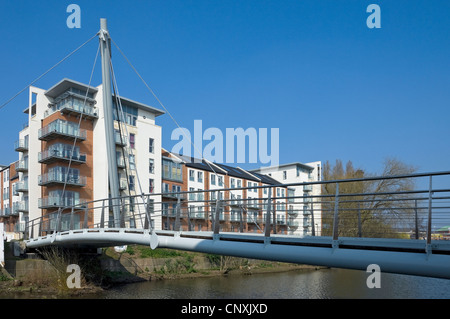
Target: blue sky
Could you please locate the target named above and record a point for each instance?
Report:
(335, 88)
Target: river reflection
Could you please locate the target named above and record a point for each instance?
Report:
(317, 284)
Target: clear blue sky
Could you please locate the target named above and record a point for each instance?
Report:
(335, 88)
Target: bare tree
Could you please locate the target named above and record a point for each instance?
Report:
(376, 208)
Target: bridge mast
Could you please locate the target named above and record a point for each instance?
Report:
(109, 120)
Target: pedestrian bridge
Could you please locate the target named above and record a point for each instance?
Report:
(396, 230)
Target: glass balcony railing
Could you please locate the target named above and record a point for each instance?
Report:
(5, 212)
(21, 146)
(20, 207)
(59, 154)
(86, 110)
(58, 201)
(62, 129)
(293, 223)
(61, 178)
(22, 166)
(120, 139)
(22, 186)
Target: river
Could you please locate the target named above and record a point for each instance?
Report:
(311, 284)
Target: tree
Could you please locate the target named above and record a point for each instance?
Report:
(373, 208)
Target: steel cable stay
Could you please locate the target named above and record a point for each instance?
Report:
(173, 119)
(67, 173)
(162, 105)
(120, 117)
(46, 72)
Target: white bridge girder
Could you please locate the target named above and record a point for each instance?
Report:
(392, 256)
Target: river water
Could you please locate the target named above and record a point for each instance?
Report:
(311, 284)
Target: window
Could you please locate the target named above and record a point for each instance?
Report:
(172, 170)
(220, 180)
(151, 185)
(151, 145)
(200, 194)
(191, 175)
(233, 183)
(151, 166)
(213, 179)
(165, 209)
(291, 195)
(129, 114)
(239, 183)
(284, 174)
(191, 195)
(132, 162)
(132, 140)
(176, 188)
(200, 177)
(131, 182)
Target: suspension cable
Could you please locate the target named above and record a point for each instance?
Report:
(162, 105)
(79, 128)
(43, 74)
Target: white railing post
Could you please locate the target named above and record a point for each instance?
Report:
(336, 217)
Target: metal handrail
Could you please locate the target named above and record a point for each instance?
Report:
(342, 209)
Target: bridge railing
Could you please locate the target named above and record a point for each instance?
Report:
(411, 206)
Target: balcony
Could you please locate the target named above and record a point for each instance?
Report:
(57, 155)
(20, 207)
(22, 166)
(293, 212)
(59, 202)
(236, 218)
(57, 178)
(307, 188)
(87, 111)
(198, 215)
(22, 186)
(60, 129)
(120, 139)
(21, 146)
(120, 162)
(306, 211)
(5, 212)
(19, 227)
(174, 195)
(293, 223)
(123, 184)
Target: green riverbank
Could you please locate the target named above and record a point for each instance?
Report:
(45, 275)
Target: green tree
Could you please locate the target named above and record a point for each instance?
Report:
(371, 208)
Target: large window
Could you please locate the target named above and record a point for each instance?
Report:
(172, 170)
(128, 114)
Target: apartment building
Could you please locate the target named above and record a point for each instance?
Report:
(304, 210)
(62, 152)
(10, 207)
(207, 182)
(62, 162)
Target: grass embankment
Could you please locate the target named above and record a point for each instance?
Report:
(48, 278)
(182, 264)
